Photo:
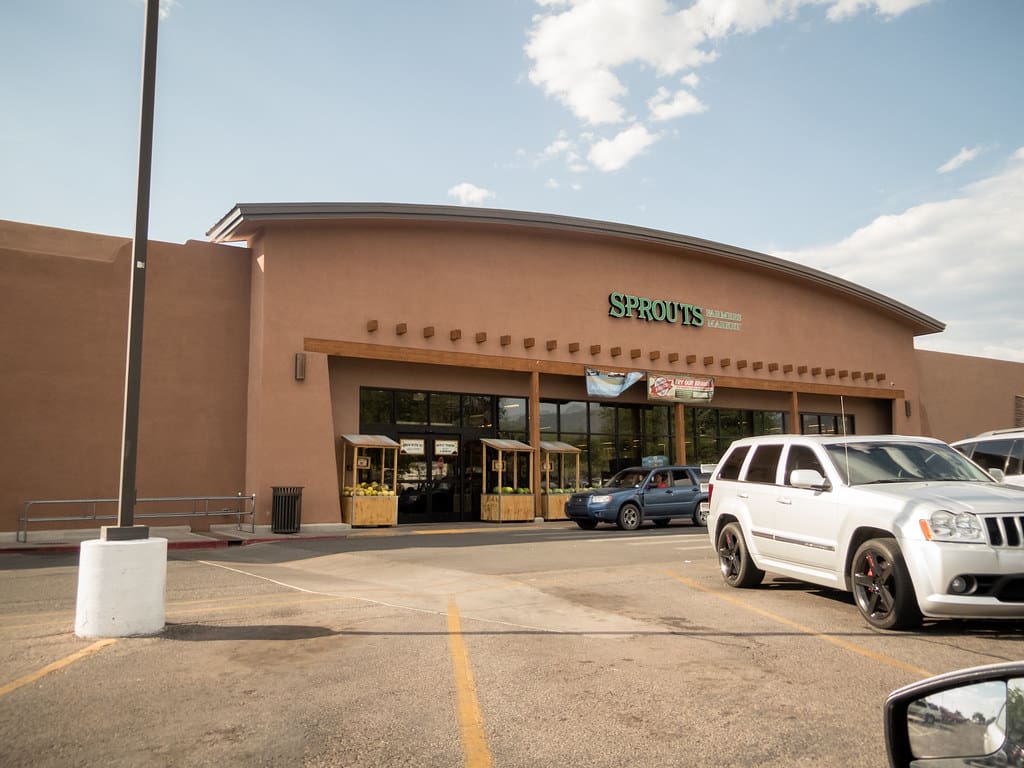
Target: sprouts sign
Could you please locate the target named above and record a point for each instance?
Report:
(622, 305)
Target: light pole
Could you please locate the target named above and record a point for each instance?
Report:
(125, 528)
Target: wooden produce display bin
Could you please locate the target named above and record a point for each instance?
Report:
(512, 503)
(371, 502)
(555, 499)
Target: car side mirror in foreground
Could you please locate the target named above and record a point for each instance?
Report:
(810, 479)
(998, 475)
(972, 717)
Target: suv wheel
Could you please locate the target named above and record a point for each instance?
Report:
(738, 569)
(629, 517)
(587, 525)
(882, 586)
(700, 517)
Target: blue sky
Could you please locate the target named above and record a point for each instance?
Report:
(879, 140)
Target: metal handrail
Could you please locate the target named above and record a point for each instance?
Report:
(198, 510)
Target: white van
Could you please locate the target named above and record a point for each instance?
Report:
(1001, 449)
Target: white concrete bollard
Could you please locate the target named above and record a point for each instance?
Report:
(121, 588)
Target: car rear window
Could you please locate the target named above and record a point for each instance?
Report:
(731, 466)
(763, 466)
(1000, 454)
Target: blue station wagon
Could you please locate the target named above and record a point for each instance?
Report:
(658, 494)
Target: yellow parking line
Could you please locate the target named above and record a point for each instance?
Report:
(845, 645)
(474, 740)
(66, 661)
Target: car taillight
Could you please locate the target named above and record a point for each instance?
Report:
(711, 489)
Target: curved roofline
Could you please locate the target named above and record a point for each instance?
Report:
(245, 219)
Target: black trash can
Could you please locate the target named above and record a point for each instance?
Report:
(286, 510)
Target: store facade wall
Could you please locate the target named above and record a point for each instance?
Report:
(64, 316)
(452, 303)
(962, 396)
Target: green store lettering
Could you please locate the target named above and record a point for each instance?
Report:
(654, 310)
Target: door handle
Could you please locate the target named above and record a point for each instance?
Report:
(784, 500)
(743, 495)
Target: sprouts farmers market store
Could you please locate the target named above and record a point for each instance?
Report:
(443, 352)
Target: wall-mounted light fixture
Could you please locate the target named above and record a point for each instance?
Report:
(300, 366)
(906, 408)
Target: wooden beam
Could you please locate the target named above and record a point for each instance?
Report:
(366, 351)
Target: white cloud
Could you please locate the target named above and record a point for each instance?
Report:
(578, 46)
(961, 158)
(842, 9)
(551, 184)
(616, 153)
(469, 194)
(165, 7)
(957, 260)
(668, 106)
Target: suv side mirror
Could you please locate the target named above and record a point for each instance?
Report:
(810, 479)
(998, 475)
(973, 715)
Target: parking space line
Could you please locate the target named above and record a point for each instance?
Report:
(471, 725)
(60, 664)
(844, 644)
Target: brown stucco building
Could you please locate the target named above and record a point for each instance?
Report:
(439, 326)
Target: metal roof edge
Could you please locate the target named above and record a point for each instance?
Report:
(260, 214)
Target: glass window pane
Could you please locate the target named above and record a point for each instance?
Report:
(444, 409)
(376, 406)
(602, 418)
(512, 414)
(548, 421)
(809, 424)
(769, 423)
(578, 440)
(602, 458)
(573, 417)
(477, 411)
(411, 407)
(732, 423)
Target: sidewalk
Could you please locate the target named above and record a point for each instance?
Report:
(183, 537)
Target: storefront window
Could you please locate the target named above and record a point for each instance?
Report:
(602, 418)
(444, 409)
(477, 411)
(573, 417)
(376, 406)
(548, 421)
(826, 424)
(769, 422)
(512, 415)
(602, 458)
(410, 407)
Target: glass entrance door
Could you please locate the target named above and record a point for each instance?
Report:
(429, 479)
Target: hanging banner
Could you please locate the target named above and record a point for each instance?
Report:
(680, 389)
(609, 384)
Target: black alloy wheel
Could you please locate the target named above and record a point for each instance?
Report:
(738, 569)
(882, 586)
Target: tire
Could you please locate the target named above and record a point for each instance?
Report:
(629, 517)
(587, 525)
(700, 518)
(738, 570)
(662, 522)
(882, 587)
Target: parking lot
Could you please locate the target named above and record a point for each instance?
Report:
(514, 645)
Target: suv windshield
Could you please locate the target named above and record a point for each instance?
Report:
(897, 462)
(627, 478)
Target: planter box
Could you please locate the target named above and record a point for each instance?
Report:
(554, 505)
(369, 511)
(506, 508)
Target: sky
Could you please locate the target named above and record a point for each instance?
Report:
(881, 141)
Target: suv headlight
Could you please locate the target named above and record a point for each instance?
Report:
(600, 499)
(949, 526)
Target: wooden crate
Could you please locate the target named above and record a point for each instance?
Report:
(506, 508)
(554, 505)
(369, 511)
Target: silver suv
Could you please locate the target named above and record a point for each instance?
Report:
(999, 451)
(907, 524)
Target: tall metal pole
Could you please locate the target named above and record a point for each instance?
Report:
(125, 528)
